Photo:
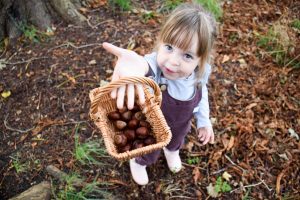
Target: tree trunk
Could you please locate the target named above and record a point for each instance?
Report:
(41, 191)
(17, 14)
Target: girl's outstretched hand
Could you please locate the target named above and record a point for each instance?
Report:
(129, 63)
(206, 134)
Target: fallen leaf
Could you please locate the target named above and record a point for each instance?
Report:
(5, 94)
(189, 146)
(93, 62)
(293, 133)
(211, 191)
(230, 143)
(196, 174)
(117, 181)
(226, 176)
(225, 58)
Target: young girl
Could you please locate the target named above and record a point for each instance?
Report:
(180, 65)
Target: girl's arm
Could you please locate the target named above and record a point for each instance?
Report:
(129, 63)
(204, 126)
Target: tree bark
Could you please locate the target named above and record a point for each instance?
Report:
(41, 191)
(15, 14)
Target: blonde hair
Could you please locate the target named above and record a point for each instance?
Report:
(183, 23)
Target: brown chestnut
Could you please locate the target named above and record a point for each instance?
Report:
(120, 140)
(135, 108)
(132, 124)
(122, 110)
(149, 140)
(142, 132)
(137, 144)
(139, 116)
(145, 124)
(114, 115)
(127, 147)
(120, 124)
(126, 116)
(130, 134)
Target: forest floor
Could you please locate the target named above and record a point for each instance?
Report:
(255, 106)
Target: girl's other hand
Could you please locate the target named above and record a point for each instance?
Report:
(206, 134)
(129, 63)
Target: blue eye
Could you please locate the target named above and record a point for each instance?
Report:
(188, 56)
(168, 47)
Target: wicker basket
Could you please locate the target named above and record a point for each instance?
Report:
(102, 104)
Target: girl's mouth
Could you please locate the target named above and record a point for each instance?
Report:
(169, 71)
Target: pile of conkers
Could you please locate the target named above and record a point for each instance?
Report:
(135, 131)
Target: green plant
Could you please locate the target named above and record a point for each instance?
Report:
(147, 15)
(76, 189)
(124, 5)
(296, 24)
(170, 5)
(193, 161)
(212, 6)
(277, 44)
(222, 186)
(86, 153)
(18, 165)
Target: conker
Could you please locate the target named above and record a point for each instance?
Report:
(122, 110)
(149, 140)
(127, 147)
(132, 124)
(145, 124)
(120, 124)
(137, 144)
(120, 140)
(126, 116)
(142, 132)
(139, 116)
(115, 115)
(135, 108)
(130, 134)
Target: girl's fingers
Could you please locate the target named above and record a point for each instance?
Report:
(117, 51)
(113, 94)
(114, 77)
(206, 140)
(120, 97)
(203, 137)
(130, 96)
(212, 138)
(141, 94)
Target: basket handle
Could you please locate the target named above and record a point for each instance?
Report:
(95, 94)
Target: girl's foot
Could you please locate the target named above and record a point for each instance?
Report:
(173, 160)
(138, 172)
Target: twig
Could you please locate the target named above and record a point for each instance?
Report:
(234, 163)
(219, 171)
(66, 81)
(291, 61)
(74, 46)
(26, 61)
(95, 26)
(181, 197)
(246, 186)
(13, 129)
(270, 189)
(188, 165)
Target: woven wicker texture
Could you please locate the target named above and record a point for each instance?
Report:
(102, 104)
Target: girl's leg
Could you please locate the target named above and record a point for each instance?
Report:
(138, 167)
(172, 149)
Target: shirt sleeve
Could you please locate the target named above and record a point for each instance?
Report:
(201, 112)
(151, 60)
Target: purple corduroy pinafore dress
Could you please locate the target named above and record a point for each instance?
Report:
(178, 115)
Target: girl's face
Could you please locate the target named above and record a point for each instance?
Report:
(176, 63)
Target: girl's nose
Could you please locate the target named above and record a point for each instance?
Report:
(174, 59)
